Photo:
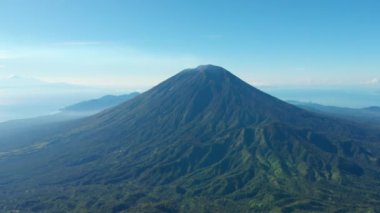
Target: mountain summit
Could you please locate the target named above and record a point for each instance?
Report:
(203, 140)
(207, 93)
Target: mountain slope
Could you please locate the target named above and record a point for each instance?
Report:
(201, 141)
(18, 134)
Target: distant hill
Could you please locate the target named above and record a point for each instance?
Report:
(201, 141)
(366, 116)
(358, 96)
(97, 105)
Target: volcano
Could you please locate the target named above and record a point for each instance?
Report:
(201, 141)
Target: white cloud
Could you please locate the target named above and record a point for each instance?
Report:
(5, 55)
(373, 81)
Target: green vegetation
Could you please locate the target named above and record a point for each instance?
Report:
(202, 141)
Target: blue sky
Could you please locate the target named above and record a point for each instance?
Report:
(138, 43)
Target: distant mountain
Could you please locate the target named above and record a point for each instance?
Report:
(97, 105)
(16, 81)
(201, 141)
(366, 116)
(372, 108)
(357, 96)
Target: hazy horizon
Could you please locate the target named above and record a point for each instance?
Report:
(22, 97)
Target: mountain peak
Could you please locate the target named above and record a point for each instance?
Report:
(206, 75)
(207, 69)
(213, 93)
(210, 68)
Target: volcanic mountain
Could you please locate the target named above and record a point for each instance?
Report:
(201, 141)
